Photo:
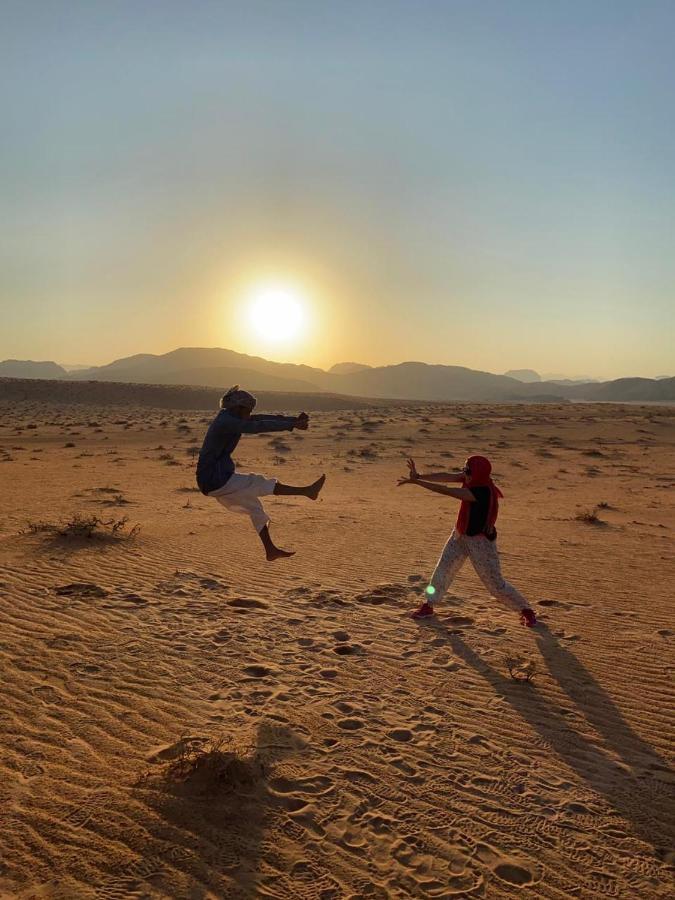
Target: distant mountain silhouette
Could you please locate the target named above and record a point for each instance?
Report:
(565, 379)
(208, 367)
(529, 376)
(626, 389)
(419, 381)
(219, 368)
(347, 368)
(26, 368)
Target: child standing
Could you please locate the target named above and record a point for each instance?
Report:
(474, 535)
(216, 475)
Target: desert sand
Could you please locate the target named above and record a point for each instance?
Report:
(346, 751)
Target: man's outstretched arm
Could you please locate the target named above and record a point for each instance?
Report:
(233, 425)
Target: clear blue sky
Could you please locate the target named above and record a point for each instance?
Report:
(489, 184)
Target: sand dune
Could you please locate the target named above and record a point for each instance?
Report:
(375, 757)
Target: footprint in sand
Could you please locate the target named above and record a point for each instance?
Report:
(63, 641)
(258, 671)
(90, 669)
(400, 734)
(47, 694)
(513, 874)
(30, 770)
(556, 604)
(212, 585)
(506, 869)
(344, 707)
(80, 589)
(80, 815)
(350, 724)
(345, 649)
(245, 604)
(460, 621)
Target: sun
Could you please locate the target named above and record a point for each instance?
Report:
(276, 313)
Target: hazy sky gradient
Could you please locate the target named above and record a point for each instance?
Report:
(479, 183)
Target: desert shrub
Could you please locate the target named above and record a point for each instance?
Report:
(117, 500)
(521, 669)
(85, 528)
(206, 768)
(589, 517)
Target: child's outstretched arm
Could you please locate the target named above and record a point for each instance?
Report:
(435, 476)
(457, 493)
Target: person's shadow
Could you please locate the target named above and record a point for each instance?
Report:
(216, 837)
(639, 785)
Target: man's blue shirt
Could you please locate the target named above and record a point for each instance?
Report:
(215, 464)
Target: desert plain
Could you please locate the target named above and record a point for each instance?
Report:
(180, 718)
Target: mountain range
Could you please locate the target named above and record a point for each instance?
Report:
(219, 368)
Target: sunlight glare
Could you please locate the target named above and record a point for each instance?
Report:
(276, 312)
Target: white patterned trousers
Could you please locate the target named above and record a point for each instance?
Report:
(485, 560)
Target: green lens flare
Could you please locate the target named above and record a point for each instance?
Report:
(431, 590)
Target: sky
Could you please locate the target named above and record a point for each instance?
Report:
(488, 183)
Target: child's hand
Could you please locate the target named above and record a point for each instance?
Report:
(414, 474)
(404, 480)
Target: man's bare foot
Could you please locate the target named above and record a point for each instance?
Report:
(276, 553)
(314, 490)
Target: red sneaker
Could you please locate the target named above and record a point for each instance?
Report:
(424, 611)
(528, 617)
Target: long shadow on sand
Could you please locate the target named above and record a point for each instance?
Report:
(218, 836)
(640, 789)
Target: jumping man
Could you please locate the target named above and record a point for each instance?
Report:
(216, 476)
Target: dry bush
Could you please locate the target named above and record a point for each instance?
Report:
(85, 528)
(589, 517)
(117, 500)
(279, 445)
(209, 768)
(521, 669)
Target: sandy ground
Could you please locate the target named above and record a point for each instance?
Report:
(377, 757)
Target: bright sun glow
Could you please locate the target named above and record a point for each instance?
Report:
(276, 312)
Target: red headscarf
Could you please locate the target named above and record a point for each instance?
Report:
(480, 477)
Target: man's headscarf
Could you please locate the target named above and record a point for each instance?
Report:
(237, 397)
